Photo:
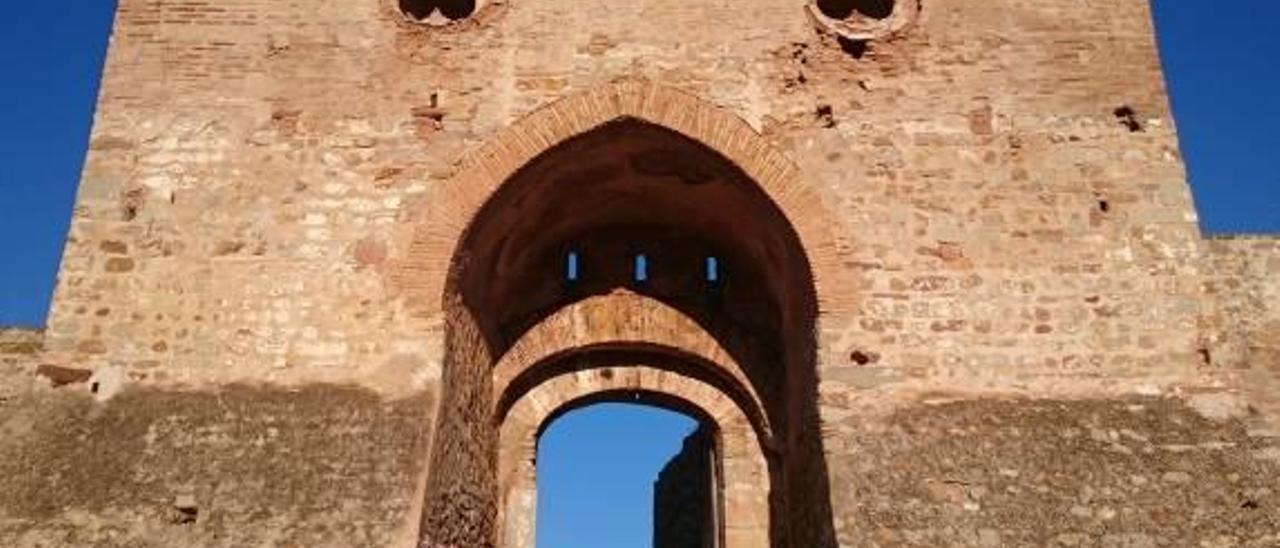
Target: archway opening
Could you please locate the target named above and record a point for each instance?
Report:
(730, 508)
(626, 475)
(626, 209)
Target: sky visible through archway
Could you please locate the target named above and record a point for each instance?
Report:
(1220, 69)
(596, 468)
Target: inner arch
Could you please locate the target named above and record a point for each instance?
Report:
(583, 334)
(738, 502)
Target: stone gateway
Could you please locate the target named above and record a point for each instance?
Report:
(926, 273)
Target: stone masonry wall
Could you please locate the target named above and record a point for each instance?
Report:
(238, 466)
(1005, 173)
(1137, 472)
(1245, 281)
(20, 351)
(85, 461)
(19, 347)
(20, 342)
(326, 466)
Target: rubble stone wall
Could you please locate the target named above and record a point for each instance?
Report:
(1245, 281)
(1010, 472)
(325, 466)
(236, 466)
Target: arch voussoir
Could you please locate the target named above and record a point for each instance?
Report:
(622, 320)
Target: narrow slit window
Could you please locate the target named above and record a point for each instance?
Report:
(642, 268)
(713, 270)
(571, 267)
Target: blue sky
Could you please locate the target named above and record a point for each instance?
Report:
(1222, 70)
(1225, 86)
(596, 468)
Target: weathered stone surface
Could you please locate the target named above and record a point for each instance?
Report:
(1122, 472)
(233, 466)
(1244, 318)
(20, 343)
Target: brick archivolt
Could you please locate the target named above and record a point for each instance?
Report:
(622, 320)
(744, 465)
(423, 272)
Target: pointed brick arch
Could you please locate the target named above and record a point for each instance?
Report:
(773, 346)
(423, 273)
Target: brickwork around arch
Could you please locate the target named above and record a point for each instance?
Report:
(746, 485)
(623, 318)
(457, 201)
(1024, 338)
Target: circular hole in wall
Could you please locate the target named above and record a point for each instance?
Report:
(438, 11)
(844, 9)
(417, 9)
(457, 9)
